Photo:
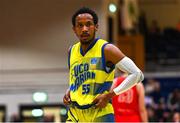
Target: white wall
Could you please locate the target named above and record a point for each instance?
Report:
(39, 32)
(34, 38)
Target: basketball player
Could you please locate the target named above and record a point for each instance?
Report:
(91, 64)
(129, 106)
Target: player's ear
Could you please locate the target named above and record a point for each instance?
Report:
(96, 27)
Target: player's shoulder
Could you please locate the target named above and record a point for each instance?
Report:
(109, 46)
(101, 41)
(72, 46)
(78, 43)
(75, 45)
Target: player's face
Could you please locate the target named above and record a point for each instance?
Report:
(85, 28)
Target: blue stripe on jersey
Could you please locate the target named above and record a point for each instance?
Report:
(103, 57)
(104, 61)
(69, 55)
(100, 88)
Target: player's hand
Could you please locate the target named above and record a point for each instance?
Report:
(101, 101)
(66, 98)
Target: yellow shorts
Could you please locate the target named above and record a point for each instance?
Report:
(92, 114)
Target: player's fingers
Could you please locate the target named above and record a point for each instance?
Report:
(98, 105)
(66, 100)
(95, 101)
(101, 104)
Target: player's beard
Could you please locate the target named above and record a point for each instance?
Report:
(88, 41)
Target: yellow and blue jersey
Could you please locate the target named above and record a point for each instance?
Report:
(89, 75)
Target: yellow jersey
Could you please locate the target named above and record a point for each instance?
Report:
(89, 75)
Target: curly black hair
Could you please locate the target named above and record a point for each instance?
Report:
(85, 10)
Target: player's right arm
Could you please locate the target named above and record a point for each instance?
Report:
(66, 98)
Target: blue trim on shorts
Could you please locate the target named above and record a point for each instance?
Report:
(106, 118)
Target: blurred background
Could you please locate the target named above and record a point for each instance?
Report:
(35, 36)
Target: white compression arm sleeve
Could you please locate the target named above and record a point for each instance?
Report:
(134, 75)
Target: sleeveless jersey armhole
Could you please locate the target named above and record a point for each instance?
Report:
(106, 69)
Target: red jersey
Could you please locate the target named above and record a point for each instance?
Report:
(126, 106)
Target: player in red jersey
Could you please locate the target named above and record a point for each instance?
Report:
(129, 106)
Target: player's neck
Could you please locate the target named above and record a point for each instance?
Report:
(86, 46)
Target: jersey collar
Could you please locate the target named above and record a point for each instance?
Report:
(90, 46)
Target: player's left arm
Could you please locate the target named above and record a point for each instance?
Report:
(142, 106)
(125, 64)
(114, 55)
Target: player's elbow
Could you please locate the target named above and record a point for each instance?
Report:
(139, 76)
